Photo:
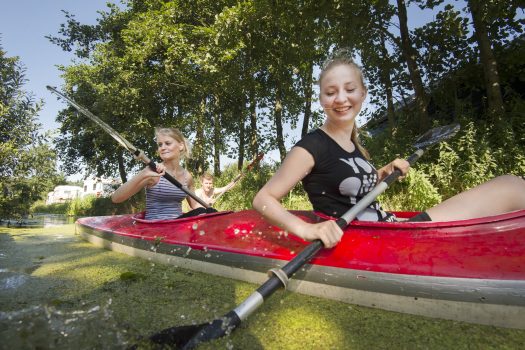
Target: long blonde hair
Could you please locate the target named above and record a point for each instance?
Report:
(344, 57)
(178, 136)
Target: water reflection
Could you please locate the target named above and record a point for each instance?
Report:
(39, 220)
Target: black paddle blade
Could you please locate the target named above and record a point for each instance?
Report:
(436, 135)
(176, 337)
(216, 329)
(188, 337)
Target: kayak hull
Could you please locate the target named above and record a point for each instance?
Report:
(471, 271)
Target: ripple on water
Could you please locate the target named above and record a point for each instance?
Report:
(13, 282)
(43, 327)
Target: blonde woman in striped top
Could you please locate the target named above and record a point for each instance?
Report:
(163, 199)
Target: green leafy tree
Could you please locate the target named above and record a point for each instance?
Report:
(27, 170)
(232, 75)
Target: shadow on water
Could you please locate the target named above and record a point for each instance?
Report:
(58, 292)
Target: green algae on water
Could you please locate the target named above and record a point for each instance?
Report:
(83, 297)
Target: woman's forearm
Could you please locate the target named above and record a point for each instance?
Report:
(130, 188)
(272, 210)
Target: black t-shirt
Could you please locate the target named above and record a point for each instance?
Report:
(339, 179)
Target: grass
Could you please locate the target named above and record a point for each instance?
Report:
(71, 294)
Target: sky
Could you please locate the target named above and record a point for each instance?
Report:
(25, 23)
(23, 27)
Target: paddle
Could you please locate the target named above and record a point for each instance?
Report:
(187, 337)
(137, 153)
(242, 173)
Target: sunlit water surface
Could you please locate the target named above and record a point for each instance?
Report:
(45, 326)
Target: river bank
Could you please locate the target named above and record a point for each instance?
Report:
(59, 292)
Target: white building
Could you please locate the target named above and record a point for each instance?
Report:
(99, 187)
(63, 193)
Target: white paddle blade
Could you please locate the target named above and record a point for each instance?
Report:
(121, 140)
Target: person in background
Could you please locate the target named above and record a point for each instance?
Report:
(336, 173)
(207, 192)
(164, 199)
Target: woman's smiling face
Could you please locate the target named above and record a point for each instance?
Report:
(342, 92)
(168, 147)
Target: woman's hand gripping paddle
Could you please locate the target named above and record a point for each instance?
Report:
(137, 153)
(187, 337)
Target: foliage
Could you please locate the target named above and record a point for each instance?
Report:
(93, 206)
(467, 160)
(415, 193)
(55, 208)
(28, 162)
(232, 75)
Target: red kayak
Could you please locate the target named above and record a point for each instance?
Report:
(469, 270)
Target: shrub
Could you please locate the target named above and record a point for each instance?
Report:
(56, 208)
(414, 193)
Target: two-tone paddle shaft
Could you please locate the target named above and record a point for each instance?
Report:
(137, 153)
(187, 337)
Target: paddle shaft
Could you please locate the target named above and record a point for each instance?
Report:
(250, 304)
(137, 153)
(191, 336)
(174, 181)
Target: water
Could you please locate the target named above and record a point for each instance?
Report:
(39, 220)
(58, 292)
(36, 309)
(47, 327)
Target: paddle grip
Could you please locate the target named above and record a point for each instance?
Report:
(342, 223)
(392, 177)
(296, 263)
(302, 258)
(415, 156)
(397, 173)
(274, 283)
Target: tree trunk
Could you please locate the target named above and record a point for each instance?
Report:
(121, 167)
(307, 90)
(486, 55)
(217, 139)
(240, 108)
(254, 142)
(240, 158)
(385, 74)
(410, 55)
(198, 147)
(278, 118)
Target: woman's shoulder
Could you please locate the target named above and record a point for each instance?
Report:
(315, 134)
(313, 141)
(188, 177)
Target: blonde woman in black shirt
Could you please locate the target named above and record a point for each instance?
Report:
(336, 173)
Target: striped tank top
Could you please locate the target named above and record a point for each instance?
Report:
(164, 200)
